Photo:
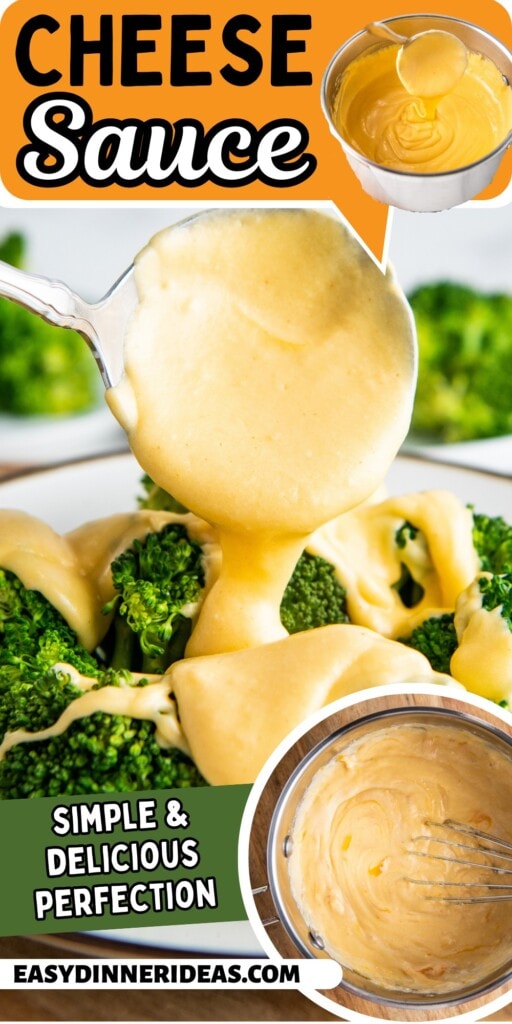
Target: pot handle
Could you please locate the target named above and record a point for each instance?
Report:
(266, 921)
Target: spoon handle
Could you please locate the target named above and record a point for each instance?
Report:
(51, 300)
(54, 302)
(383, 31)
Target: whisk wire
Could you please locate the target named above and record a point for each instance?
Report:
(470, 830)
(466, 846)
(486, 843)
(465, 863)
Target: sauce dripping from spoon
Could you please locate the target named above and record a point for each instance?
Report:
(429, 64)
(269, 377)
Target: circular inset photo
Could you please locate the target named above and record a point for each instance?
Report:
(422, 107)
(382, 839)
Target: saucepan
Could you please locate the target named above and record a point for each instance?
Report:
(412, 191)
(279, 843)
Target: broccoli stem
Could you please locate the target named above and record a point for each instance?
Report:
(174, 651)
(125, 646)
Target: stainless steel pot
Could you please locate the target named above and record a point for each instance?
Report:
(279, 848)
(407, 191)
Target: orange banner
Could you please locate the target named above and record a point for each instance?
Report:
(189, 103)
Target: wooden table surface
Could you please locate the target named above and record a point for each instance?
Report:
(133, 1005)
(136, 1005)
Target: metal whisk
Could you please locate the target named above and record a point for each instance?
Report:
(451, 841)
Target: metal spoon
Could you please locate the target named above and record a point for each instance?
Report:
(102, 324)
(426, 71)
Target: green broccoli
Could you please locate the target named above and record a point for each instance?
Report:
(33, 638)
(406, 533)
(496, 592)
(159, 582)
(12, 249)
(100, 753)
(492, 538)
(436, 639)
(155, 498)
(27, 698)
(44, 370)
(411, 542)
(34, 635)
(465, 350)
(314, 597)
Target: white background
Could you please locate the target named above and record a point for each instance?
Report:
(90, 248)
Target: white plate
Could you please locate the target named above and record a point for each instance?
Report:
(30, 440)
(69, 495)
(492, 453)
(471, 247)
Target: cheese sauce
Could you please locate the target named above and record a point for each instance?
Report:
(361, 545)
(427, 132)
(431, 63)
(483, 659)
(357, 821)
(235, 708)
(269, 381)
(45, 561)
(153, 702)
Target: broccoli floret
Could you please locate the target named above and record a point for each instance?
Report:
(159, 580)
(492, 538)
(157, 499)
(405, 533)
(33, 637)
(12, 249)
(27, 698)
(465, 348)
(99, 753)
(436, 639)
(314, 597)
(33, 634)
(410, 540)
(44, 370)
(496, 592)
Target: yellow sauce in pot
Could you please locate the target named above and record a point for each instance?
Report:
(353, 856)
(422, 133)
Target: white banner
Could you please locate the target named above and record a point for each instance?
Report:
(169, 974)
